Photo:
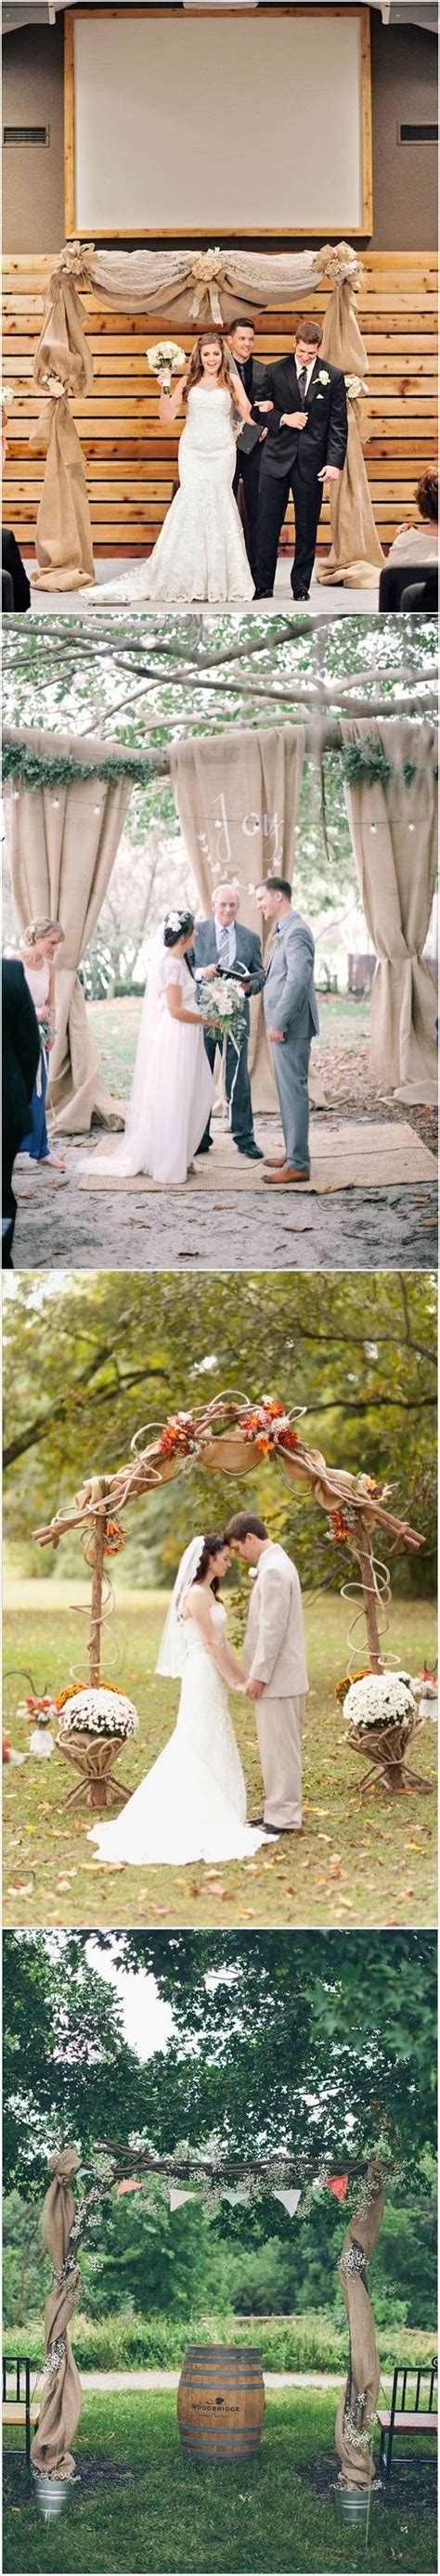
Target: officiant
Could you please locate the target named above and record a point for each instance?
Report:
(251, 435)
(222, 946)
(305, 449)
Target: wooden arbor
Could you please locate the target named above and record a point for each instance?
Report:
(230, 1437)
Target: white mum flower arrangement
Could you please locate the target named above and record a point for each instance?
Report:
(99, 1711)
(355, 387)
(166, 359)
(379, 1701)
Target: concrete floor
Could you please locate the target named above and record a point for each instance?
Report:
(323, 602)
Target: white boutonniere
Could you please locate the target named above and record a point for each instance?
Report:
(323, 378)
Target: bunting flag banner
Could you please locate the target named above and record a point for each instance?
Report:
(134, 2185)
(338, 2185)
(289, 2200)
(176, 2197)
(240, 2191)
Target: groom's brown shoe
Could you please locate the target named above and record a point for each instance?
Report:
(275, 1162)
(284, 1173)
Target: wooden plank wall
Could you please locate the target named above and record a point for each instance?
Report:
(131, 462)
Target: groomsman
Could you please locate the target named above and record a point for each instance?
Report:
(291, 1015)
(220, 946)
(241, 342)
(305, 448)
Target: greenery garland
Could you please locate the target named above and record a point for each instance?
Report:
(32, 769)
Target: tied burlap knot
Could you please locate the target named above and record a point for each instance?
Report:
(208, 273)
(340, 263)
(72, 261)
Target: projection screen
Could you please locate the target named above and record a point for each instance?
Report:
(221, 124)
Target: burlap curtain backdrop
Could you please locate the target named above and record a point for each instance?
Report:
(394, 836)
(184, 287)
(362, 2389)
(61, 2400)
(61, 847)
(237, 800)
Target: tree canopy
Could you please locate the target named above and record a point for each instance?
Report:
(311, 2043)
(91, 1357)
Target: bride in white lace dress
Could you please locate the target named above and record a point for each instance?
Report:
(173, 1084)
(200, 553)
(192, 1805)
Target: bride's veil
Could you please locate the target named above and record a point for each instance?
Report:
(171, 1654)
(142, 1084)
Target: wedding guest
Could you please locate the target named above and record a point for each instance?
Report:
(220, 946)
(241, 341)
(20, 1060)
(305, 448)
(16, 592)
(38, 950)
(417, 539)
(291, 1015)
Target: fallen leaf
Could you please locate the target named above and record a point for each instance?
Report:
(334, 1867)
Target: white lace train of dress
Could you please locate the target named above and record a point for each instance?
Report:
(171, 1097)
(200, 553)
(192, 1805)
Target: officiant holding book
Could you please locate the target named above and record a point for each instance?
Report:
(222, 946)
(305, 449)
(251, 434)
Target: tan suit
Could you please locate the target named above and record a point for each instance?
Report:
(274, 1653)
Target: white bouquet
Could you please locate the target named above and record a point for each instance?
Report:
(355, 387)
(98, 1711)
(379, 1701)
(220, 998)
(166, 359)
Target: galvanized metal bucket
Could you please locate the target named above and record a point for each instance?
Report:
(51, 2495)
(353, 2504)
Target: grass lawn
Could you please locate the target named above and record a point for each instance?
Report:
(364, 1858)
(115, 1027)
(140, 2506)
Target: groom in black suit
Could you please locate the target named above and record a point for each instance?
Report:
(241, 343)
(305, 448)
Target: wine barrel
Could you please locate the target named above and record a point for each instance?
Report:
(220, 2401)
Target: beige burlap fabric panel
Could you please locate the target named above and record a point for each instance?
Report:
(355, 553)
(63, 366)
(396, 867)
(362, 2389)
(61, 846)
(237, 800)
(61, 2401)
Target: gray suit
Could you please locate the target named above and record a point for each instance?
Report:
(275, 1654)
(290, 1005)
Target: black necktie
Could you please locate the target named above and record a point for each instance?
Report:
(302, 376)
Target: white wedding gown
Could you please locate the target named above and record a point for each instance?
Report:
(172, 1091)
(200, 553)
(192, 1805)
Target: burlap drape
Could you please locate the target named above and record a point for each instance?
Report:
(394, 836)
(63, 366)
(61, 847)
(61, 2400)
(363, 2381)
(185, 287)
(237, 801)
(355, 553)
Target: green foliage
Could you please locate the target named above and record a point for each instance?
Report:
(88, 1360)
(126, 2341)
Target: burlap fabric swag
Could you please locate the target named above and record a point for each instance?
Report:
(187, 287)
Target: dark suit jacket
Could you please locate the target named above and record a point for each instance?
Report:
(324, 442)
(248, 955)
(21, 1055)
(253, 376)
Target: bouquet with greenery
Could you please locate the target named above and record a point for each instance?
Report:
(220, 998)
(166, 359)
